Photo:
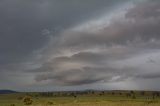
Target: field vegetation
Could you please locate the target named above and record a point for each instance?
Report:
(82, 98)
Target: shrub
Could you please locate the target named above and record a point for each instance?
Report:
(20, 98)
(113, 93)
(49, 103)
(27, 101)
(12, 105)
(134, 97)
(128, 95)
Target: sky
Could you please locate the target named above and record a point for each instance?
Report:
(50, 45)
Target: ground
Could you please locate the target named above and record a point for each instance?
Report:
(83, 98)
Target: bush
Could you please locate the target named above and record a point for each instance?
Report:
(20, 98)
(49, 103)
(27, 101)
(12, 105)
(134, 97)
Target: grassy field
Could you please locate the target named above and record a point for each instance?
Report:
(85, 98)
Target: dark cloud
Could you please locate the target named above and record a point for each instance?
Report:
(145, 10)
(112, 52)
(22, 23)
(56, 42)
(129, 29)
(149, 76)
(69, 77)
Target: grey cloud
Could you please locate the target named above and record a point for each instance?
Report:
(74, 76)
(129, 29)
(83, 69)
(22, 23)
(27, 27)
(39, 36)
(82, 57)
(147, 9)
(87, 75)
(122, 39)
(149, 76)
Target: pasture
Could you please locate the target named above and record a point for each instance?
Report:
(82, 98)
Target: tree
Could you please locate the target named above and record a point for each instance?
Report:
(132, 92)
(142, 93)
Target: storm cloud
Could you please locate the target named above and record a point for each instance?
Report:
(80, 43)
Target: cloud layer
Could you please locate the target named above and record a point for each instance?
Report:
(126, 48)
(110, 45)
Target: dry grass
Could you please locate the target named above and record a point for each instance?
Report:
(82, 100)
(109, 104)
(104, 104)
